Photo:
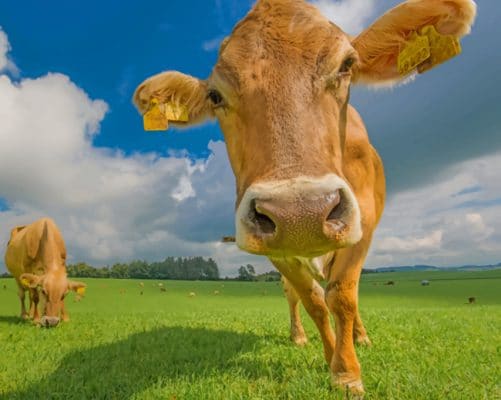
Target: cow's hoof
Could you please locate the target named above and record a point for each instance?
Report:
(299, 340)
(25, 317)
(363, 340)
(352, 386)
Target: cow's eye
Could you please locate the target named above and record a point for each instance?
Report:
(346, 65)
(215, 97)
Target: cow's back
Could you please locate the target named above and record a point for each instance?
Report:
(17, 257)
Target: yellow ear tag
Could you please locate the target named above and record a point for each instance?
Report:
(415, 52)
(426, 50)
(176, 112)
(442, 48)
(25, 282)
(154, 119)
(81, 291)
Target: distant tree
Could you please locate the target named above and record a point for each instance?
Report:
(247, 273)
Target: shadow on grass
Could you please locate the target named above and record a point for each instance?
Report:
(10, 319)
(121, 369)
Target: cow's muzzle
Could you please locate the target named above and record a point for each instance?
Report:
(298, 217)
(49, 322)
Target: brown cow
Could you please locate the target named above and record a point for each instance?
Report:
(36, 257)
(310, 187)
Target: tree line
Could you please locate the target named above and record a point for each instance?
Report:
(174, 268)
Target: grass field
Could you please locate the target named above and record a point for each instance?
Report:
(427, 342)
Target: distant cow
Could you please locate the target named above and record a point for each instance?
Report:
(216, 292)
(36, 257)
(141, 284)
(162, 289)
(390, 283)
(471, 300)
(425, 283)
(192, 294)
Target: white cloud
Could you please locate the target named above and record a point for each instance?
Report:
(6, 64)
(350, 15)
(453, 222)
(109, 206)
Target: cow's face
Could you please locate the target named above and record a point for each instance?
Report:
(53, 287)
(280, 92)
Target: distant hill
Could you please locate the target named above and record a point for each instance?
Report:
(406, 268)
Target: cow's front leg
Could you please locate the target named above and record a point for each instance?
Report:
(342, 299)
(21, 292)
(313, 297)
(298, 336)
(64, 314)
(34, 300)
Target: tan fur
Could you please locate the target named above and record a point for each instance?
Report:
(36, 256)
(286, 117)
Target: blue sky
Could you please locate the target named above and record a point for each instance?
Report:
(431, 133)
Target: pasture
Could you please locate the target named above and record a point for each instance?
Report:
(428, 343)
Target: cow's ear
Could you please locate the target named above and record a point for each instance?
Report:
(379, 45)
(184, 92)
(34, 234)
(78, 287)
(31, 280)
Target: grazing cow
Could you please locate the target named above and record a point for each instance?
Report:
(162, 289)
(425, 282)
(36, 257)
(310, 187)
(192, 294)
(390, 283)
(216, 293)
(471, 300)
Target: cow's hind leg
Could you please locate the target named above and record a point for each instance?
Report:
(313, 298)
(298, 336)
(360, 336)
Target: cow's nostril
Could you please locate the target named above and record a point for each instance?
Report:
(264, 223)
(337, 206)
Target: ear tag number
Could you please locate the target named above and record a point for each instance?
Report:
(427, 49)
(81, 291)
(176, 112)
(25, 282)
(443, 48)
(155, 119)
(415, 52)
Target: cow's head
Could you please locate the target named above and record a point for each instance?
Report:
(280, 91)
(54, 286)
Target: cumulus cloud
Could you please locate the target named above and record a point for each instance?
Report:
(454, 221)
(350, 15)
(110, 206)
(6, 64)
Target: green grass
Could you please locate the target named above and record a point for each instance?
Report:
(427, 342)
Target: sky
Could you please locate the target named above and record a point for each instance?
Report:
(72, 145)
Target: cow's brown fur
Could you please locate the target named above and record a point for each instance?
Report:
(36, 257)
(286, 115)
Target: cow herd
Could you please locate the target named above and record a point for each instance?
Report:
(310, 188)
